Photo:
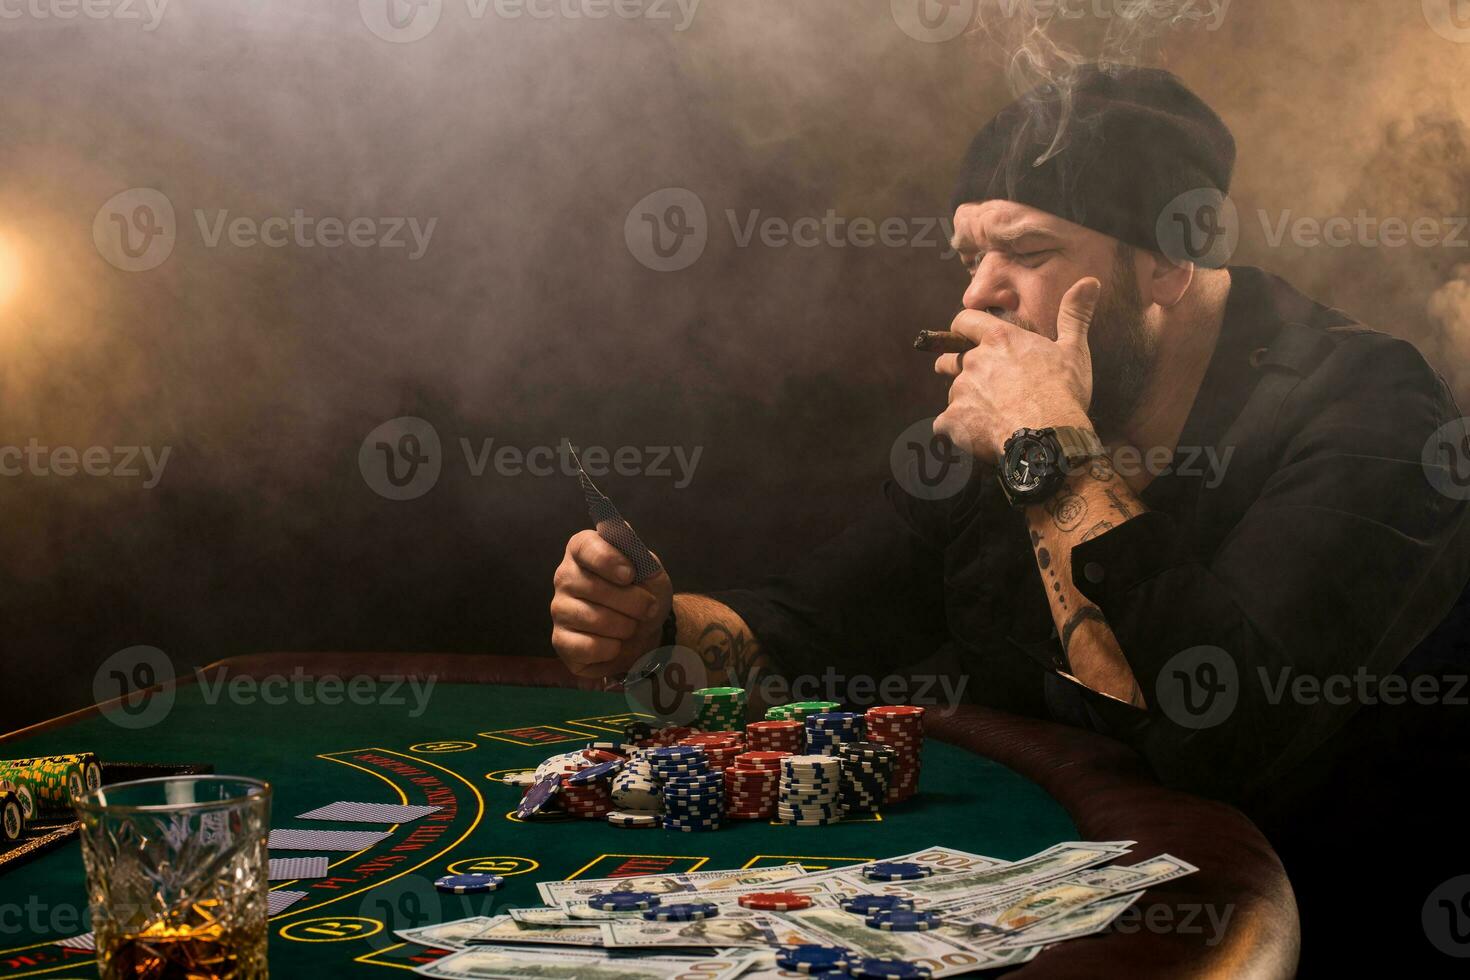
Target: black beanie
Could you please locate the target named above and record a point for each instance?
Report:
(1135, 139)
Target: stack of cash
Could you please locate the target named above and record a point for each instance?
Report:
(989, 913)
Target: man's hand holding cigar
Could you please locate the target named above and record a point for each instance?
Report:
(1013, 378)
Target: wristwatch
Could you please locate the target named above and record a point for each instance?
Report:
(1037, 461)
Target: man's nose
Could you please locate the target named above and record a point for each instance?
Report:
(989, 291)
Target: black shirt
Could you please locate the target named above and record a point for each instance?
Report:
(1311, 542)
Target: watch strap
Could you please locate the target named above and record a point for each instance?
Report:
(1078, 445)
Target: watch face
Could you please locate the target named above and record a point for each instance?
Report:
(1029, 461)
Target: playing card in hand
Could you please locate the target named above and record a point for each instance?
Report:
(613, 528)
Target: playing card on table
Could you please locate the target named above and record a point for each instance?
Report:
(289, 869)
(279, 900)
(367, 812)
(323, 840)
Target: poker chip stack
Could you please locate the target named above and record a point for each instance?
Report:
(751, 785)
(23, 796)
(669, 735)
(778, 712)
(12, 817)
(721, 709)
(694, 794)
(635, 789)
(637, 732)
(719, 748)
(53, 781)
(867, 770)
(776, 735)
(900, 726)
(808, 792)
(587, 793)
(826, 731)
(801, 710)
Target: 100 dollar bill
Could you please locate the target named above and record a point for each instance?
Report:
(510, 963)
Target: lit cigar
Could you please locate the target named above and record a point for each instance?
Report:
(942, 342)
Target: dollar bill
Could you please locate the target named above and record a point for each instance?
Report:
(504, 929)
(943, 860)
(1085, 921)
(519, 963)
(558, 916)
(446, 935)
(578, 890)
(967, 887)
(732, 927)
(942, 957)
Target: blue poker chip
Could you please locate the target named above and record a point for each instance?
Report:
(904, 920)
(868, 904)
(468, 884)
(622, 901)
(682, 912)
(538, 797)
(811, 958)
(674, 754)
(875, 969)
(897, 871)
(593, 773)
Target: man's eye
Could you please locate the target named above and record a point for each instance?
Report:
(1036, 257)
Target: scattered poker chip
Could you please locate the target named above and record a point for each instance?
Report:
(632, 818)
(775, 901)
(876, 969)
(622, 901)
(538, 798)
(470, 884)
(527, 778)
(812, 958)
(591, 774)
(896, 871)
(868, 904)
(682, 912)
(904, 920)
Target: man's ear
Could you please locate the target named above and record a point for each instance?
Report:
(1166, 281)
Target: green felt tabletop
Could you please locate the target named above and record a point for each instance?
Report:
(447, 747)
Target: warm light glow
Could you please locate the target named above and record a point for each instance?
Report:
(10, 271)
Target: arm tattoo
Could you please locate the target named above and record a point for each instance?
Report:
(1119, 504)
(1085, 614)
(1067, 509)
(1100, 527)
(726, 652)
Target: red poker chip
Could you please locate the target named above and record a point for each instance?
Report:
(775, 901)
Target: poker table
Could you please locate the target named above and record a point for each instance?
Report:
(991, 783)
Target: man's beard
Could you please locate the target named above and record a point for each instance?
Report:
(1123, 351)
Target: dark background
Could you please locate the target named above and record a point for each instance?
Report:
(529, 318)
